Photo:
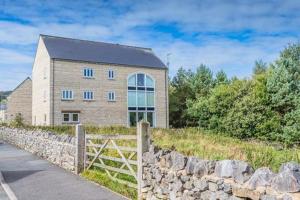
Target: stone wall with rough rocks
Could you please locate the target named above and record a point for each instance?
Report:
(171, 175)
(58, 149)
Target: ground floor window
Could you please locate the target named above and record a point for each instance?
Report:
(137, 116)
(70, 117)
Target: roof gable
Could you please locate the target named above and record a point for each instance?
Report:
(18, 86)
(100, 52)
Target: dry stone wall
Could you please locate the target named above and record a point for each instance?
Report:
(58, 149)
(171, 175)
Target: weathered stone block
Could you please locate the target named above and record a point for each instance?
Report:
(261, 178)
(240, 171)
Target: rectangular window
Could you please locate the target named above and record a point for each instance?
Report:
(132, 118)
(88, 95)
(141, 100)
(88, 72)
(140, 79)
(75, 117)
(141, 116)
(131, 98)
(150, 118)
(66, 117)
(150, 99)
(111, 74)
(111, 96)
(70, 117)
(67, 95)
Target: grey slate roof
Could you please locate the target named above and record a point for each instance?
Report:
(100, 52)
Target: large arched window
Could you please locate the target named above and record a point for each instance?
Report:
(141, 95)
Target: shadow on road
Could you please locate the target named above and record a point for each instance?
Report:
(12, 176)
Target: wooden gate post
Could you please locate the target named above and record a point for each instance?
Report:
(80, 149)
(143, 144)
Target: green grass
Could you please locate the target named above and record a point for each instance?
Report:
(205, 145)
(99, 176)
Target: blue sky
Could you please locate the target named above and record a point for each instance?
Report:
(228, 35)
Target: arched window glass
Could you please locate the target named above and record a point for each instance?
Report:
(141, 99)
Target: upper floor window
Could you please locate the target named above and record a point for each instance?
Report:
(88, 72)
(140, 82)
(88, 95)
(111, 74)
(111, 96)
(67, 95)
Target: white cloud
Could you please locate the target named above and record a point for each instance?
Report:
(13, 57)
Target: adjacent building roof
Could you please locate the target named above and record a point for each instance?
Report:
(100, 52)
(28, 78)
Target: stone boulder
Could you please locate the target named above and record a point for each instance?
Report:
(291, 166)
(240, 171)
(198, 167)
(262, 177)
(288, 178)
(177, 160)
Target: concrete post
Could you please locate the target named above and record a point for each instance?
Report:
(80, 149)
(143, 144)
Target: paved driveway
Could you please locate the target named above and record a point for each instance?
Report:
(32, 178)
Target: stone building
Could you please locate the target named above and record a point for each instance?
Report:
(3, 115)
(19, 102)
(79, 81)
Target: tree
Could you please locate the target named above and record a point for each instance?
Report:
(202, 82)
(260, 67)
(221, 78)
(283, 84)
(179, 91)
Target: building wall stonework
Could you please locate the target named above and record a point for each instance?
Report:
(69, 75)
(41, 88)
(20, 102)
(171, 175)
(3, 116)
(58, 149)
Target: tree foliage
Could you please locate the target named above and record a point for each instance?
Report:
(266, 107)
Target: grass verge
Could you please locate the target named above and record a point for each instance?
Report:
(99, 176)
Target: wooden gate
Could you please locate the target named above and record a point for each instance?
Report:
(118, 155)
(103, 151)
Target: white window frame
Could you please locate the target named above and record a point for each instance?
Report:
(70, 114)
(111, 94)
(111, 74)
(67, 98)
(91, 93)
(88, 72)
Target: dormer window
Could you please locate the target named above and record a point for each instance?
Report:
(88, 73)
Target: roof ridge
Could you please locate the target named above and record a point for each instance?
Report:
(19, 85)
(116, 44)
